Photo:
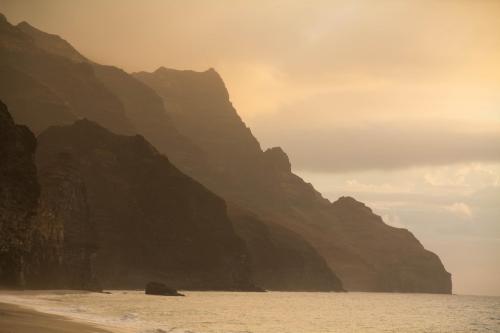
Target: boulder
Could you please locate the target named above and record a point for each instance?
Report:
(158, 288)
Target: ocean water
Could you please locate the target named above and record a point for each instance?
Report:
(271, 312)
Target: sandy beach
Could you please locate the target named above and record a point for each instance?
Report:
(15, 319)
(128, 311)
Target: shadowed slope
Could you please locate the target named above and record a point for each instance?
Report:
(152, 221)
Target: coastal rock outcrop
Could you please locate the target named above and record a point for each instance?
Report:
(160, 289)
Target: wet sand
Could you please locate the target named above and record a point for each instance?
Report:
(15, 319)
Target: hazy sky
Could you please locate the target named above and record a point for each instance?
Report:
(394, 102)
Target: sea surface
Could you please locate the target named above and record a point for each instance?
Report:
(271, 312)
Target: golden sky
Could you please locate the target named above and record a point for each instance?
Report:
(395, 102)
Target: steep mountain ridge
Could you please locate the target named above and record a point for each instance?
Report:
(51, 43)
(145, 110)
(140, 105)
(234, 166)
(78, 90)
(367, 254)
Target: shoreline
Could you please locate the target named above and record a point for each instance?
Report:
(19, 319)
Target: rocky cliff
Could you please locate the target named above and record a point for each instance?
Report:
(204, 136)
(19, 192)
(146, 112)
(152, 221)
(45, 234)
(63, 239)
(390, 259)
(140, 105)
(366, 254)
(280, 258)
(193, 102)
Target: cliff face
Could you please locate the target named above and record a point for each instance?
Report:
(152, 221)
(366, 254)
(133, 106)
(193, 102)
(142, 107)
(19, 192)
(281, 259)
(146, 112)
(395, 259)
(204, 136)
(45, 235)
(198, 103)
(63, 240)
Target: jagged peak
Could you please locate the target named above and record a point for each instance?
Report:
(5, 115)
(4, 23)
(206, 83)
(26, 27)
(51, 43)
(92, 131)
(348, 201)
(24, 24)
(80, 124)
(278, 158)
(168, 70)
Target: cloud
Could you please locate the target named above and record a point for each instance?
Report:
(393, 220)
(463, 176)
(460, 209)
(379, 146)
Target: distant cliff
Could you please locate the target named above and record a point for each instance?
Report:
(152, 221)
(280, 258)
(367, 254)
(390, 259)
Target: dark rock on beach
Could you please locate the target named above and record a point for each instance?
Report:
(158, 288)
